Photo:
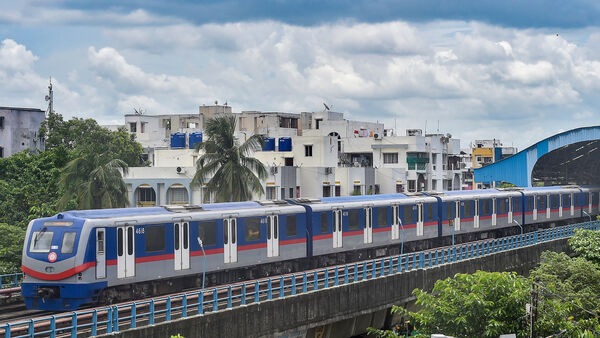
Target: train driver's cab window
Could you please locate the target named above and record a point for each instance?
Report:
(155, 238)
(252, 229)
(207, 232)
(41, 241)
(68, 242)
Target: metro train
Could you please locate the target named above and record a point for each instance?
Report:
(84, 257)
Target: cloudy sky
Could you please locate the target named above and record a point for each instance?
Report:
(518, 71)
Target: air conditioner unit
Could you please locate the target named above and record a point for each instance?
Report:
(377, 136)
(180, 170)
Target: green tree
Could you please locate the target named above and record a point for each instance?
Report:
(95, 181)
(568, 292)
(483, 304)
(11, 244)
(234, 175)
(87, 137)
(29, 185)
(586, 243)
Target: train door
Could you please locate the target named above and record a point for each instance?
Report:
(100, 253)
(457, 213)
(125, 251)
(560, 205)
(494, 209)
(272, 236)
(510, 209)
(395, 222)
(476, 214)
(535, 204)
(230, 240)
(368, 230)
(420, 229)
(572, 204)
(337, 228)
(182, 245)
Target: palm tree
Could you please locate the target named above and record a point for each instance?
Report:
(234, 175)
(95, 181)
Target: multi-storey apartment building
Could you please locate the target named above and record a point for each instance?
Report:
(311, 154)
(19, 129)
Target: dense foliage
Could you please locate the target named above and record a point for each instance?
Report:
(483, 304)
(227, 169)
(586, 244)
(11, 244)
(31, 186)
(568, 294)
(564, 293)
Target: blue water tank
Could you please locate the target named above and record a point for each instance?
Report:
(285, 144)
(178, 140)
(269, 144)
(195, 138)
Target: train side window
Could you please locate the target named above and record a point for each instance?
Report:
(252, 229)
(353, 219)
(291, 228)
(41, 241)
(555, 201)
(68, 242)
(155, 238)
(408, 214)
(100, 242)
(485, 207)
(529, 203)
(382, 216)
(516, 206)
(324, 223)
(429, 209)
(502, 205)
(120, 242)
(129, 241)
(541, 202)
(450, 210)
(467, 209)
(566, 200)
(207, 231)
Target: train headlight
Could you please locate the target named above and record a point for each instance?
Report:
(49, 269)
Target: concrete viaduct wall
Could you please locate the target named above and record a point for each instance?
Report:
(341, 311)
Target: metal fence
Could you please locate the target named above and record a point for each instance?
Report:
(132, 315)
(11, 280)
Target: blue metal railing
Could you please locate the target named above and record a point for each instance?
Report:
(115, 318)
(11, 280)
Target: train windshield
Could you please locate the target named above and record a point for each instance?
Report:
(41, 241)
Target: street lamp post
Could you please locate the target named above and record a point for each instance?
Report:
(588, 215)
(402, 235)
(204, 260)
(515, 221)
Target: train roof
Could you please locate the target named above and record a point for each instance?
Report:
(110, 213)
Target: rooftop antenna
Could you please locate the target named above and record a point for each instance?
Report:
(50, 98)
(326, 106)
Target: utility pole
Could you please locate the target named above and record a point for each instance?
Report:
(533, 309)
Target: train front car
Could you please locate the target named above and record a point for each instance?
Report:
(56, 262)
